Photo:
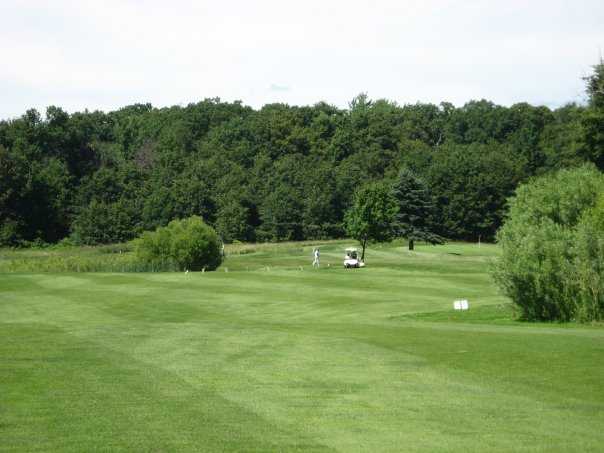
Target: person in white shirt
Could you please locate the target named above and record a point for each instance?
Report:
(315, 262)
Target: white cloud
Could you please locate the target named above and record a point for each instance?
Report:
(91, 54)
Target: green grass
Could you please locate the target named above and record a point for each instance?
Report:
(106, 258)
(275, 356)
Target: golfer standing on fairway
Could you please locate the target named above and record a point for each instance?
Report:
(315, 262)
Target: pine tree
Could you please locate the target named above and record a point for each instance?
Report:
(415, 209)
(595, 86)
(593, 119)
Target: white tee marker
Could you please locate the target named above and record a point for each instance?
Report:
(461, 304)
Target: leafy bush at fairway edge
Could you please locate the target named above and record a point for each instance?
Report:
(189, 244)
(552, 265)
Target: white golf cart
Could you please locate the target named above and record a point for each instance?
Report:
(352, 259)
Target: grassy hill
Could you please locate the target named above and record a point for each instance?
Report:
(268, 354)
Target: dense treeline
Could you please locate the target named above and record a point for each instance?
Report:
(281, 172)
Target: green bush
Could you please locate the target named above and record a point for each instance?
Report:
(552, 264)
(9, 233)
(188, 244)
(589, 263)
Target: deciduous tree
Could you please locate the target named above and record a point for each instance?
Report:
(372, 215)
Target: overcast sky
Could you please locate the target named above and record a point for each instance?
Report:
(105, 54)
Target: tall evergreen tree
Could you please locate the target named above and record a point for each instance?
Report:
(595, 86)
(593, 120)
(415, 209)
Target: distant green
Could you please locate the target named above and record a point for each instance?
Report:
(267, 354)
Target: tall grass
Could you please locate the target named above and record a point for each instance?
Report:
(120, 257)
(108, 258)
(240, 248)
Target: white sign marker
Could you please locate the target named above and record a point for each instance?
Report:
(461, 304)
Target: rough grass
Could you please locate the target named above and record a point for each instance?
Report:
(120, 257)
(272, 355)
(107, 258)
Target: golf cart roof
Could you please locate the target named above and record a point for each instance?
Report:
(351, 249)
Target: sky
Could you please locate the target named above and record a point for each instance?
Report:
(105, 54)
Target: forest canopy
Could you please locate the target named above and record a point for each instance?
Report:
(278, 173)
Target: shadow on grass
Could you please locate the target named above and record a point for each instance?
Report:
(501, 314)
(486, 314)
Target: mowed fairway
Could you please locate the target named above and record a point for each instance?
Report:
(268, 357)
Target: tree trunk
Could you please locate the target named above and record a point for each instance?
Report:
(411, 244)
(363, 252)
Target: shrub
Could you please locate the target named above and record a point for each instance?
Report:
(552, 263)
(589, 263)
(189, 244)
(9, 233)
